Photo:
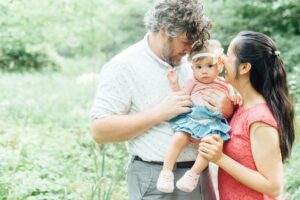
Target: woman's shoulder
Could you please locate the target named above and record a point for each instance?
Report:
(260, 113)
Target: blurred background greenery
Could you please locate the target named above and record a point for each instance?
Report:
(50, 55)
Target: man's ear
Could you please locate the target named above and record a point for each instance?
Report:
(162, 31)
(244, 68)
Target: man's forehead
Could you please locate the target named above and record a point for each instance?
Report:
(182, 37)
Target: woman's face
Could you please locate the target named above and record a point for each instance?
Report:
(229, 63)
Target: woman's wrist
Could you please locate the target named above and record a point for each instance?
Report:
(220, 160)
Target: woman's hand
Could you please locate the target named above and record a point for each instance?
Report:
(211, 147)
(218, 100)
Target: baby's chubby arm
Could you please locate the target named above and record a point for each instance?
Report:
(172, 76)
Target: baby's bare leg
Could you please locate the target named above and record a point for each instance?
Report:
(179, 141)
(165, 182)
(190, 179)
(199, 165)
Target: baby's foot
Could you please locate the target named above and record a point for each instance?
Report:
(165, 182)
(188, 182)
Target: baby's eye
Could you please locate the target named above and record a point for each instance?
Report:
(210, 66)
(199, 67)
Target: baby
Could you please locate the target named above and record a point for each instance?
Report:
(200, 121)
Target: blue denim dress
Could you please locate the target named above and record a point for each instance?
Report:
(200, 122)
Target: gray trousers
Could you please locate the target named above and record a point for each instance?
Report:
(142, 177)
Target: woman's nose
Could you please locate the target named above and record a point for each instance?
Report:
(222, 59)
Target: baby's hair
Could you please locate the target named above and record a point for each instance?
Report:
(210, 46)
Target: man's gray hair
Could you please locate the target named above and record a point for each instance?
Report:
(178, 17)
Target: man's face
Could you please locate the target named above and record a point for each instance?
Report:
(173, 49)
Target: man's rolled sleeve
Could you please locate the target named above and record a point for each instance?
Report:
(113, 93)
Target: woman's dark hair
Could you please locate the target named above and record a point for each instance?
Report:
(268, 77)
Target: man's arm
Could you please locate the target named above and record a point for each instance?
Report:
(118, 128)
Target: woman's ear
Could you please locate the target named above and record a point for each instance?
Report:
(244, 68)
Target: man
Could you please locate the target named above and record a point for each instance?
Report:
(134, 101)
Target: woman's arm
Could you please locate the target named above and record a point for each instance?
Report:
(266, 153)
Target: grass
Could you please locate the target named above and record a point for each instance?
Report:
(46, 151)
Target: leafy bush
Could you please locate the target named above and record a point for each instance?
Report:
(21, 38)
(72, 28)
(16, 56)
(271, 16)
(292, 177)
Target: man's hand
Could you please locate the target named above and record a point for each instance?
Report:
(218, 100)
(173, 104)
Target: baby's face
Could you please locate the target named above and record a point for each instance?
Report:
(204, 70)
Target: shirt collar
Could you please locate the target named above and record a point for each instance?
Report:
(151, 53)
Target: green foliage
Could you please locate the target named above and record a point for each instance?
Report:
(123, 24)
(46, 151)
(19, 37)
(292, 177)
(272, 16)
(18, 57)
(70, 28)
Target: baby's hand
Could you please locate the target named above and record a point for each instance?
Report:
(172, 75)
(236, 99)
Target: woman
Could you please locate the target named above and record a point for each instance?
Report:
(262, 134)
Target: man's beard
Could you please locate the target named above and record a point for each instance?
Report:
(166, 54)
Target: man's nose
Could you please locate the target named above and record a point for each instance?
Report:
(188, 49)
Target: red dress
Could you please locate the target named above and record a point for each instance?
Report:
(239, 149)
